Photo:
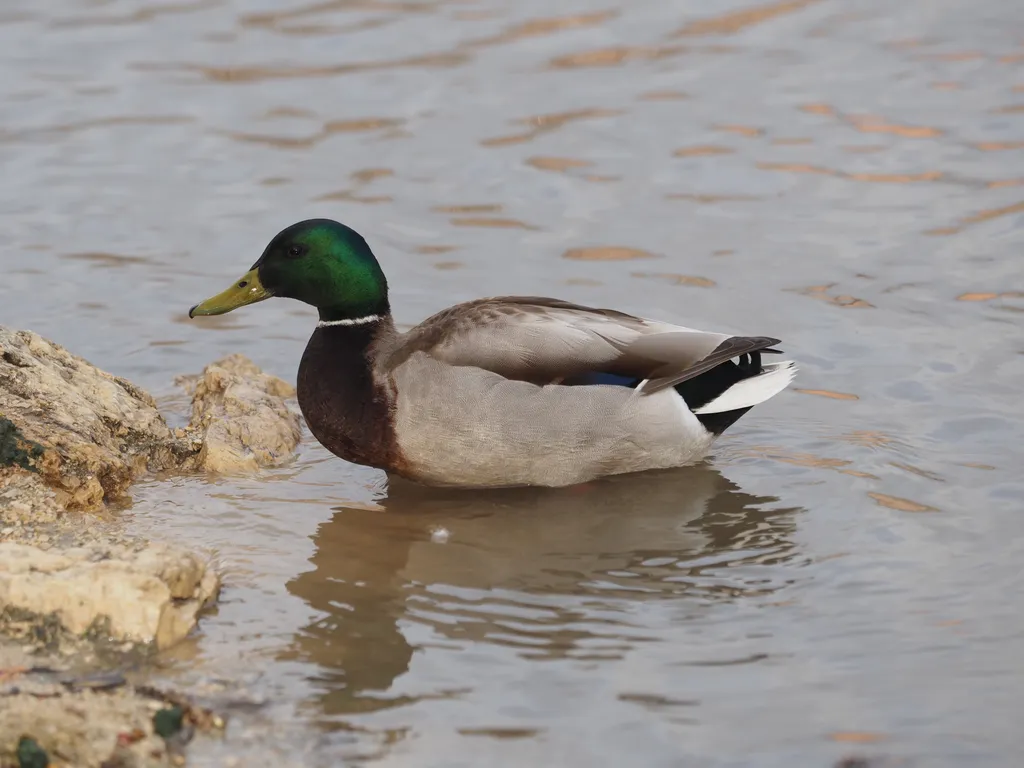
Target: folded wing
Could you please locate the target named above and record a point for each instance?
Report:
(549, 341)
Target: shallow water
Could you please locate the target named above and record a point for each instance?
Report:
(842, 578)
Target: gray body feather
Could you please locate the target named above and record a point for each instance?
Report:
(478, 399)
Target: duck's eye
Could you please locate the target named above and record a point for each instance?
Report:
(296, 251)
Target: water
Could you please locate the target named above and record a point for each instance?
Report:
(842, 579)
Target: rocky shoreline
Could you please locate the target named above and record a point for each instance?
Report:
(78, 596)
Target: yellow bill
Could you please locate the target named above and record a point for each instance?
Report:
(247, 290)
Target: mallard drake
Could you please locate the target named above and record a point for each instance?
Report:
(504, 391)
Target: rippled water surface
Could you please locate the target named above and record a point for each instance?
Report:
(843, 578)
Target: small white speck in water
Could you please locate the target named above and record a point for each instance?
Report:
(439, 535)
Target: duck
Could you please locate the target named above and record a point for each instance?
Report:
(503, 391)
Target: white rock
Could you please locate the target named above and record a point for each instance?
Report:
(152, 595)
(243, 417)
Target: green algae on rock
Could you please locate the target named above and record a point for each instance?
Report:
(168, 721)
(30, 754)
(15, 449)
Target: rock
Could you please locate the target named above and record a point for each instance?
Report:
(242, 416)
(87, 719)
(41, 713)
(24, 498)
(83, 728)
(73, 437)
(148, 595)
(88, 434)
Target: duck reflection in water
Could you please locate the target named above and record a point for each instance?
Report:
(526, 568)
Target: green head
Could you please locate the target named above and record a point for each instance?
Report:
(319, 262)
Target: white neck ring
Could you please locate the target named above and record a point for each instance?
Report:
(349, 321)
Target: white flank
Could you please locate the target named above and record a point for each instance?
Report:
(744, 394)
(349, 321)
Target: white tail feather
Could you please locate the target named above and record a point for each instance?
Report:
(743, 394)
